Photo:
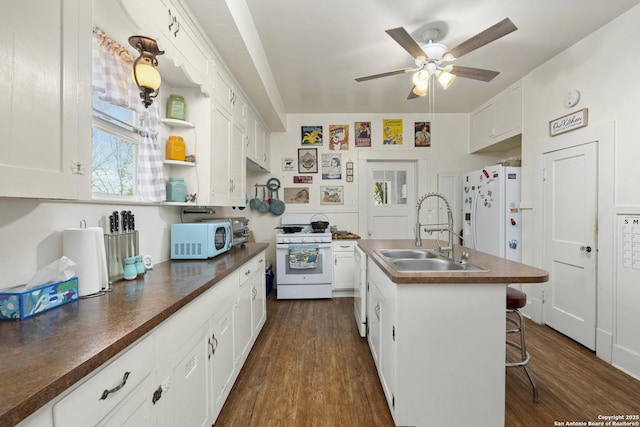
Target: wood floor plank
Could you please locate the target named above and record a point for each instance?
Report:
(309, 367)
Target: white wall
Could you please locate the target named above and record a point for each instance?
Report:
(602, 67)
(31, 232)
(448, 153)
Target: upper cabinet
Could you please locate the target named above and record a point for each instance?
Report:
(52, 89)
(496, 125)
(175, 33)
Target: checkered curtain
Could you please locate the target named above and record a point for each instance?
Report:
(113, 82)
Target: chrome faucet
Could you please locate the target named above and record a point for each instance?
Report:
(440, 227)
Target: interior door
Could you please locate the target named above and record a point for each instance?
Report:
(570, 246)
(390, 199)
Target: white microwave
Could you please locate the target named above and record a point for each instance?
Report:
(200, 240)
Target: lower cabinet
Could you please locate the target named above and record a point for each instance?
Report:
(104, 397)
(383, 329)
(181, 373)
(343, 264)
(439, 350)
(221, 356)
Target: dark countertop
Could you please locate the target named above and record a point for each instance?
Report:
(500, 270)
(42, 356)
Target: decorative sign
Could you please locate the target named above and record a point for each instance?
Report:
(573, 121)
(302, 179)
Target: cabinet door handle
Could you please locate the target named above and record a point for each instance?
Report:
(172, 20)
(377, 311)
(106, 393)
(175, 33)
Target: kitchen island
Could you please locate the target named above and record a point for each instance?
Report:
(438, 338)
(44, 357)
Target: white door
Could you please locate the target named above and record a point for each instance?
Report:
(390, 199)
(570, 251)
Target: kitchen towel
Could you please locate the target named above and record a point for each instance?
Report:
(85, 247)
(303, 256)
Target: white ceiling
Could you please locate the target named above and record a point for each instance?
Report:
(315, 48)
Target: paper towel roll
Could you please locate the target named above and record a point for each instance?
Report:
(85, 247)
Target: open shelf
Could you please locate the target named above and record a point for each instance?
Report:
(178, 123)
(178, 162)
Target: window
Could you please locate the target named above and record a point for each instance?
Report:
(114, 138)
(389, 187)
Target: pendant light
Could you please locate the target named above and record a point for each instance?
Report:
(145, 74)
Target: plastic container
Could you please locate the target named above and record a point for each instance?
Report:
(176, 108)
(176, 150)
(176, 190)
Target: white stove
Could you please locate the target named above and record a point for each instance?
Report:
(304, 258)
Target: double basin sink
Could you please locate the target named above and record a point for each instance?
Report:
(424, 260)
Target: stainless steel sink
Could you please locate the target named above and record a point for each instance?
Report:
(432, 264)
(408, 253)
(422, 260)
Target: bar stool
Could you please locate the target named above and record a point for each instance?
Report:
(516, 300)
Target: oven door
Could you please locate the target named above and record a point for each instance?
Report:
(298, 270)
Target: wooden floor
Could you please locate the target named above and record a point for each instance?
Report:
(309, 367)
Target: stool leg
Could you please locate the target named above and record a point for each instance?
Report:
(525, 357)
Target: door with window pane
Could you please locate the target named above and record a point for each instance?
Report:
(390, 199)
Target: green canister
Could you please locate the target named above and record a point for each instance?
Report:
(176, 108)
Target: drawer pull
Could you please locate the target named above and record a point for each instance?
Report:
(106, 393)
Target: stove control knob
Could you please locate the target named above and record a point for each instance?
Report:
(285, 240)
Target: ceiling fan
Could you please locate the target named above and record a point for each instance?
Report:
(432, 58)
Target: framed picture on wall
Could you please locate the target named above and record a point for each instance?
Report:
(362, 134)
(331, 166)
(311, 135)
(296, 195)
(288, 164)
(332, 195)
(422, 134)
(307, 160)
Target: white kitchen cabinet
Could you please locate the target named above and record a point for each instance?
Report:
(242, 323)
(495, 124)
(257, 147)
(175, 33)
(99, 399)
(385, 311)
(374, 304)
(185, 397)
(228, 186)
(436, 339)
(343, 265)
(51, 159)
(222, 359)
(135, 411)
(259, 297)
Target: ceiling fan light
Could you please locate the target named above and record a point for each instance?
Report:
(420, 90)
(421, 78)
(445, 78)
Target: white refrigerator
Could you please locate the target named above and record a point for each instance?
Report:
(491, 211)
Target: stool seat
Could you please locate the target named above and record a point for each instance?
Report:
(515, 298)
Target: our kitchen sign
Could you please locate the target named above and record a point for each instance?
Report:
(569, 122)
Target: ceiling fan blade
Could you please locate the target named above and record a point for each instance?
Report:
(403, 38)
(388, 73)
(412, 95)
(474, 73)
(493, 33)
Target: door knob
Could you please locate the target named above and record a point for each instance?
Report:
(585, 249)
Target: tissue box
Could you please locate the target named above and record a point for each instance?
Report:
(20, 303)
